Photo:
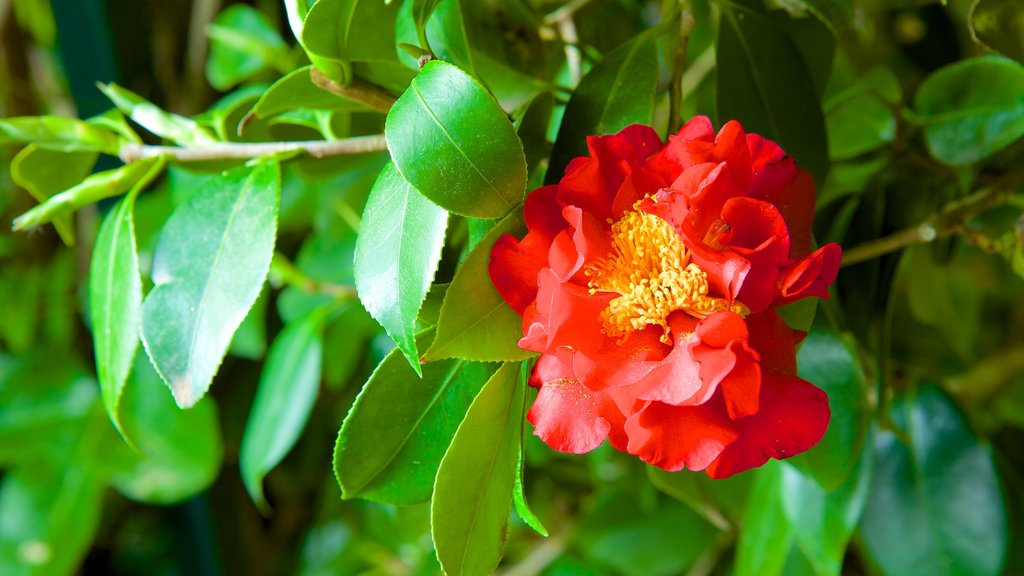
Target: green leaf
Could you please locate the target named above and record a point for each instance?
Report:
(325, 36)
(52, 509)
(998, 24)
(179, 451)
(766, 537)
(825, 361)
(446, 32)
(618, 91)
(243, 42)
(58, 133)
(450, 140)
(115, 303)
(93, 189)
(823, 521)
(285, 396)
(522, 507)
(421, 11)
(714, 500)
(935, 507)
(859, 119)
(178, 129)
(393, 439)
(209, 266)
(972, 109)
(473, 491)
(475, 322)
(397, 253)
(296, 90)
(764, 83)
(32, 169)
(836, 14)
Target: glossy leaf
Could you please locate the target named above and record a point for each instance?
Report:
(998, 24)
(618, 91)
(823, 521)
(935, 507)
(825, 361)
(179, 451)
(285, 396)
(469, 512)
(296, 90)
(178, 129)
(764, 83)
(32, 169)
(325, 36)
(93, 189)
(58, 133)
(858, 122)
(413, 422)
(115, 303)
(972, 109)
(475, 323)
(522, 507)
(242, 43)
(766, 537)
(450, 140)
(421, 11)
(208, 269)
(397, 253)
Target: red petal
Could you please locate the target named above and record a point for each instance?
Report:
(793, 417)
(778, 180)
(758, 233)
(678, 437)
(774, 341)
(728, 362)
(810, 276)
(564, 315)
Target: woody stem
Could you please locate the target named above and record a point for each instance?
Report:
(240, 150)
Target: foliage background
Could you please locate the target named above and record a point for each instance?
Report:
(908, 113)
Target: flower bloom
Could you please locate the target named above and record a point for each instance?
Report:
(648, 282)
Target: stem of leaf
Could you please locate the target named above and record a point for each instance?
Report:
(359, 90)
(284, 272)
(686, 25)
(131, 152)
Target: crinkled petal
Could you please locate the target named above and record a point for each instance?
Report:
(728, 363)
(678, 437)
(565, 314)
(810, 276)
(757, 232)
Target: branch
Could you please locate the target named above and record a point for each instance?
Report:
(283, 271)
(228, 150)
(370, 95)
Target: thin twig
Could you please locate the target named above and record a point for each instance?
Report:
(228, 150)
(538, 559)
(565, 12)
(283, 271)
(371, 95)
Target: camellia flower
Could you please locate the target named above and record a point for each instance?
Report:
(648, 282)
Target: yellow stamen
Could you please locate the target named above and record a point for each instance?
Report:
(650, 269)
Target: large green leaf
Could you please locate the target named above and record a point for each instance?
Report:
(764, 82)
(93, 189)
(178, 129)
(399, 247)
(115, 303)
(243, 42)
(823, 521)
(475, 323)
(285, 396)
(766, 537)
(32, 169)
(58, 133)
(395, 435)
(450, 140)
(618, 91)
(999, 24)
(825, 361)
(935, 507)
(972, 109)
(325, 36)
(469, 512)
(210, 263)
(179, 451)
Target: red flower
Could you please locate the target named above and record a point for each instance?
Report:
(648, 281)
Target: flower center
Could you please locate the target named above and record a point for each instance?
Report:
(650, 269)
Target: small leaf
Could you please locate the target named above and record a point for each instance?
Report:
(296, 90)
(935, 507)
(179, 451)
(764, 83)
(766, 537)
(208, 268)
(32, 169)
(242, 43)
(325, 36)
(859, 119)
(475, 322)
(115, 303)
(93, 189)
(473, 492)
(972, 109)
(998, 24)
(178, 129)
(522, 507)
(285, 396)
(618, 91)
(397, 253)
(450, 140)
(58, 133)
(396, 432)
(421, 11)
